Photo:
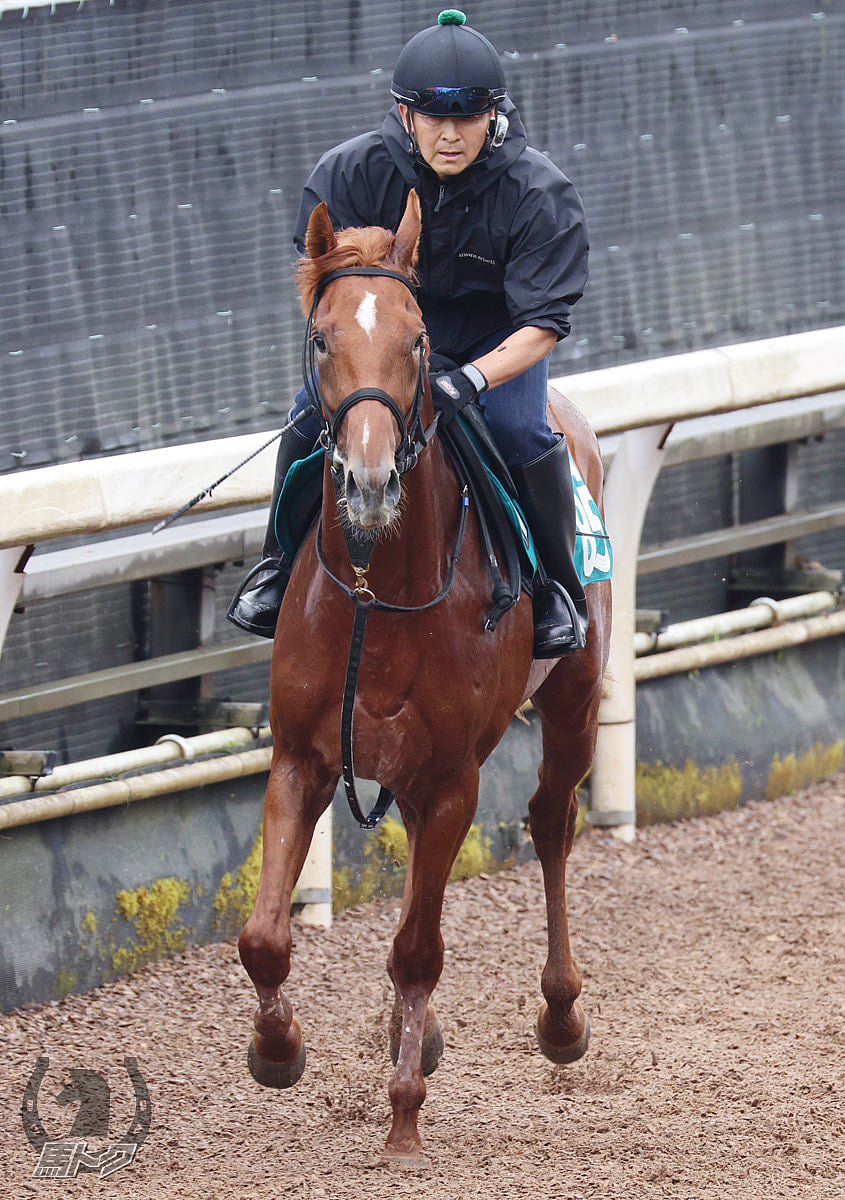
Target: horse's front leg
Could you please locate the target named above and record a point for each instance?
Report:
(563, 1029)
(293, 803)
(436, 830)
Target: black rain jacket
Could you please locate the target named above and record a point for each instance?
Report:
(504, 244)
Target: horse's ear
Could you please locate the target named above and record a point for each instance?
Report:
(407, 241)
(319, 236)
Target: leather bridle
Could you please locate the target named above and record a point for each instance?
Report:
(413, 438)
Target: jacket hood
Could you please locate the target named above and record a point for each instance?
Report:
(479, 174)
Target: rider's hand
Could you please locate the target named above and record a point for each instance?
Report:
(452, 390)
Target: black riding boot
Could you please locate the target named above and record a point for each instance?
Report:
(560, 606)
(258, 600)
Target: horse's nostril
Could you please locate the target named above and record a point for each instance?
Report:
(353, 492)
(392, 491)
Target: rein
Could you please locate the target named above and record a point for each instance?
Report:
(413, 440)
(365, 601)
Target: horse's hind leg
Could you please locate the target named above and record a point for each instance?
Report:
(563, 1030)
(293, 803)
(416, 959)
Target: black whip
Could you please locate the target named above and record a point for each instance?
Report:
(306, 412)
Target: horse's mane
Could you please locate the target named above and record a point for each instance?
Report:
(370, 247)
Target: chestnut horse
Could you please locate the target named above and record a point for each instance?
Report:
(436, 690)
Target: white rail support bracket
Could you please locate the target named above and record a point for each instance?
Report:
(627, 492)
(314, 886)
(12, 562)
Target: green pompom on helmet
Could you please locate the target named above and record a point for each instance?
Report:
(449, 69)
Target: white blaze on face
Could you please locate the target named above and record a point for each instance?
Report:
(366, 314)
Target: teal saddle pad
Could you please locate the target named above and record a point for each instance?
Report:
(593, 553)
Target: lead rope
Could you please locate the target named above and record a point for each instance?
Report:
(363, 603)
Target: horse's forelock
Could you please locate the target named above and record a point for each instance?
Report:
(369, 247)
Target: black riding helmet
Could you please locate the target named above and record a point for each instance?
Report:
(449, 70)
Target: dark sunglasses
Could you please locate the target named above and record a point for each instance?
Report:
(454, 101)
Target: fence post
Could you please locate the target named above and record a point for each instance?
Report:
(12, 562)
(630, 481)
(314, 886)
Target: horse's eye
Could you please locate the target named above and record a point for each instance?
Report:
(319, 343)
(419, 344)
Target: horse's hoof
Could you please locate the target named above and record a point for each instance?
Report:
(398, 1160)
(433, 1045)
(563, 1054)
(270, 1073)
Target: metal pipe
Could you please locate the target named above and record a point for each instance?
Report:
(762, 641)
(314, 887)
(137, 787)
(169, 747)
(759, 614)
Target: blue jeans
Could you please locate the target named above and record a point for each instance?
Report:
(515, 412)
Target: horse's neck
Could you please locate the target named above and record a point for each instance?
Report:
(410, 561)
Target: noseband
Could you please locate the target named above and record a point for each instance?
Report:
(413, 438)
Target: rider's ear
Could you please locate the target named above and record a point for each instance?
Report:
(406, 244)
(319, 237)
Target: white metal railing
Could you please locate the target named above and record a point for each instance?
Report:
(637, 404)
(642, 402)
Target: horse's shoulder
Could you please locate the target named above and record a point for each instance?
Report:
(581, 439)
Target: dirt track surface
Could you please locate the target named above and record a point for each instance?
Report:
(713, 955)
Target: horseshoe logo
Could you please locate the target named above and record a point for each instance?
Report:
(135, 1134)
(32, 1126)
(142, 1120)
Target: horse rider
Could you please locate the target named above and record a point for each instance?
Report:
(503, 257)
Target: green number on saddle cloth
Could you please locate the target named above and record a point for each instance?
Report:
(593, 553)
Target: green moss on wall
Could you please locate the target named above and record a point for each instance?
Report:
(235, 897)
(385, 860)
(666, 793)
(65, 982)
(153, 911)
(787, 775)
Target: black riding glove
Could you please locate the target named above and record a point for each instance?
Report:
(438, 363)
(451, 391)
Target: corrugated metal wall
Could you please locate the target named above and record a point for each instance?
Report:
(151, 160)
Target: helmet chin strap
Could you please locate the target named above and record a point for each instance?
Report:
(491, 141)
(408, 125)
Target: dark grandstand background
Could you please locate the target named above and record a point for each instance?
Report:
(151, 161)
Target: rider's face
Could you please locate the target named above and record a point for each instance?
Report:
(448, 144)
